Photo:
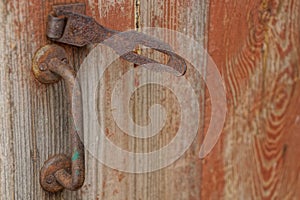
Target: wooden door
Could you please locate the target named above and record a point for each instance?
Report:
(255, 45)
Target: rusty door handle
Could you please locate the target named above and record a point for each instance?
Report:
(60, 171)
(68, 24)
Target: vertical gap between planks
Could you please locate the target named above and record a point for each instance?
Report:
(137, 17)
(137, 21)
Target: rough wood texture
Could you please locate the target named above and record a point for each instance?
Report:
(256, 47)
(182, 179)
(255, 44)
(33, 116)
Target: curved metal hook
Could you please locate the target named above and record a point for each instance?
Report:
(68, 24)
(61, 171)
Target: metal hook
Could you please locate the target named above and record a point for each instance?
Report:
(61, 171)
(67, 24)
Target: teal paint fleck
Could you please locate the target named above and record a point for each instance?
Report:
(76, 128)
(75, 156)
(77, 172)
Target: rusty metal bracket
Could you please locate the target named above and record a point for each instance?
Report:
(68, 24)
(50, 64)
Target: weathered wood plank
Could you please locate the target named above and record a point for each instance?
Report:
(256, 49)
(178, 181)
(103, 182)
(182, 179)
(34, 123)
(30, 121)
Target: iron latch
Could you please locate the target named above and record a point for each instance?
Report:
(68, 24)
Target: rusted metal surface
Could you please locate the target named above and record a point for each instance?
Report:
(61, 171)
(68, 24)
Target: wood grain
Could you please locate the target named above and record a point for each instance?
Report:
(29, 124)
(178, 181)
(34, 123)
(182, 179)
(255, 48)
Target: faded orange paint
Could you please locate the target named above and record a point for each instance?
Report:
(118, 15)
(257, 60)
